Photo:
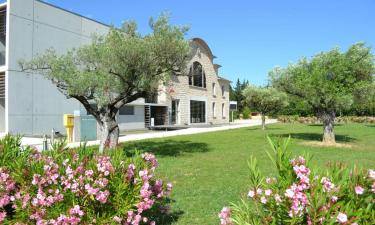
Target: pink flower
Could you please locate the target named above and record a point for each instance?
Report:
(130, 172)
(2, 216)
(268, 192)
(263, 200)
(225, 216)
(102, 196)
(327, 184)
(76, 211)
(342, 218)
(359, 190)
(251, 194)
(259, 191)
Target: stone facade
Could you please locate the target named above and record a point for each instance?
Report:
(179, 89)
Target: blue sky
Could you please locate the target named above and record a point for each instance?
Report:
(249, 37)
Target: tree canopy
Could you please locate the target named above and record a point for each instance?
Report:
(265, 100)
(115, 69)
(327, 81)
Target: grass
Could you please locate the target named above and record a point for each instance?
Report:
(210, 171)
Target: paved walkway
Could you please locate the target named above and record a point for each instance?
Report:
(37, 142)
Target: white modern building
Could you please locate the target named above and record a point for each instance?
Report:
(32, 105)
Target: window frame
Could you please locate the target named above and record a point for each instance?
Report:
(192, 77)
(200, 113)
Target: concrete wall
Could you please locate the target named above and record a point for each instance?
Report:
(185, 93)
(34, 105)
(136, 121)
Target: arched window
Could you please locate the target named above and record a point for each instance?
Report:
(197, 76)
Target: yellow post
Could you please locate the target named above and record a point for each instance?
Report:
(69, 125)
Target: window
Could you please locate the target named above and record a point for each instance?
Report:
(94, 107)
(223, 90)
(213, 110)
(127, 110)
(197, 76)
(197, 111)
(3, 17)
(213, 89)
(223, 110)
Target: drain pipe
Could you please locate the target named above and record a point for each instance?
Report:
(45, 144)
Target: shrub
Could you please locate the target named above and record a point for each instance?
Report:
(246, 113)
(78, 186)
(300, 195)
(315, 120)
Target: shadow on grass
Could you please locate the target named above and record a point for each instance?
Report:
(166, 148)
(315, 137)
(321, 125)
(370, 125)
(267, 128)
(161, 213)
(168, 218)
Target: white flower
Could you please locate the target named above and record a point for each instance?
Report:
(289, 193)
(263, 200)
(371, 174)
(268, 192)
(342, 218)
(251, 194)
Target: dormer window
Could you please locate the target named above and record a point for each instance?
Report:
(197, 76)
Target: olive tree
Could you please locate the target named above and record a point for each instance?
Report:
(327, 81)
(115, 69)
(265, 100)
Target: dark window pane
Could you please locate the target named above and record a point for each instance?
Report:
(190, 76)
(127, 110)
(197, 112)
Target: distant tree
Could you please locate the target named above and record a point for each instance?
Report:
(115, 69)
(327, 81)
(265, 100)
(238, 94)
(364, 100)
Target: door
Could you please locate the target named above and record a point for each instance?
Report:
(175, 111)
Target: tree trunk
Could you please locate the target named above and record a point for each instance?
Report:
(109, 133)
(328, 124)
(263, 121)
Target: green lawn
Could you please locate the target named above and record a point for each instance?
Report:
(210, 170)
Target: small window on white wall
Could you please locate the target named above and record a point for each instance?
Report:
(223, 110)
(213, 110)
(213, 89)
(127, 110)
(223, 90)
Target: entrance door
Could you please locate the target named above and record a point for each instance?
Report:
(175, 111)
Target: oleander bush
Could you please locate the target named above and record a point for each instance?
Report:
(315, 120)
(78, 186)
(299, 194)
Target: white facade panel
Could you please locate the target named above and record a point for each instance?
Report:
(21, 36)
(46, 14)
(22, 8)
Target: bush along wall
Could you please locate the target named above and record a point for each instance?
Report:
(315, 120)
(299, 194)
(78, 186)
